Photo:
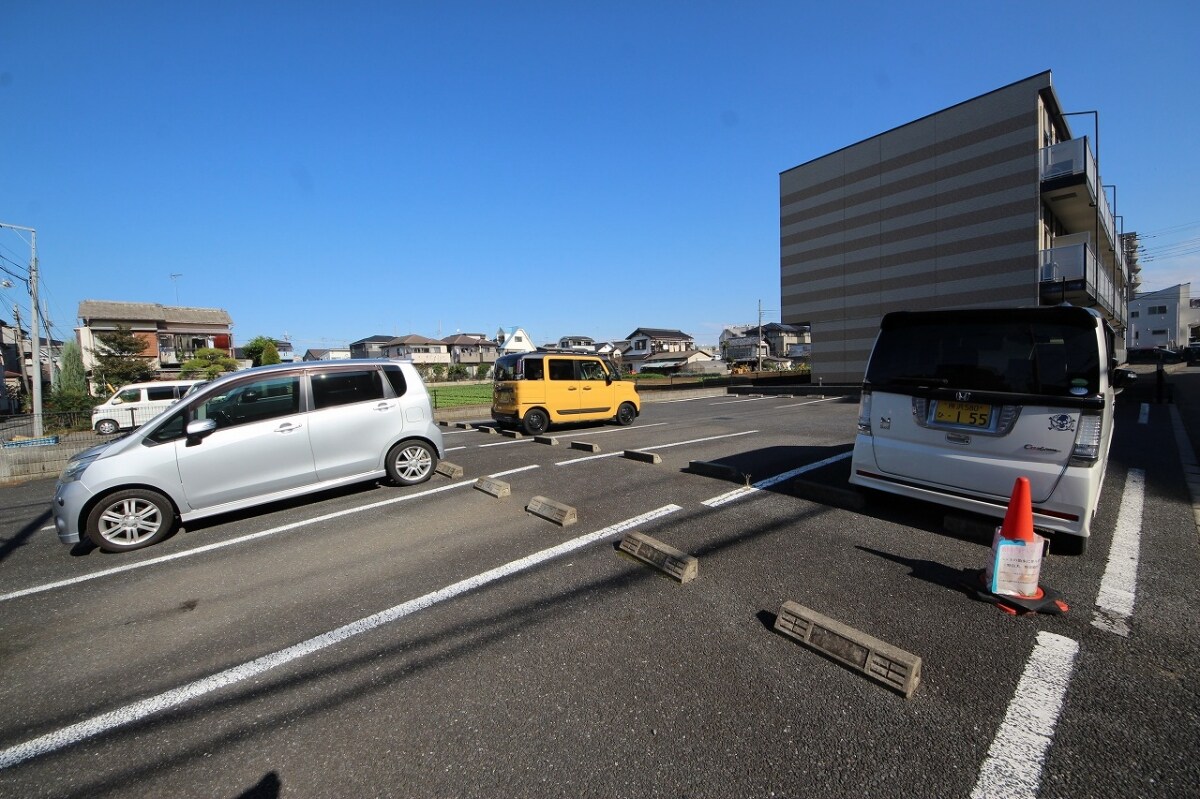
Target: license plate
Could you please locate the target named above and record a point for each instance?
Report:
(972, 414)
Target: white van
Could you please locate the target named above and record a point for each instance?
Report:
(957, 404)
(137, 403)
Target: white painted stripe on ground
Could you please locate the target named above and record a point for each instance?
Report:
(657, 446)
(745, 491)
(1118, 587)
(1013, 767)
(686, 399)
(810, 402)
(83, 578)
(735, 402)
(137, 711)
(454, 449)
(506, 443)
(1144, 413)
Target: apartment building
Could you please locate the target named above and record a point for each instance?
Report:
(993, 202)
(1169, 318)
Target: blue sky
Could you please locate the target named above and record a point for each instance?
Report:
(330, 171)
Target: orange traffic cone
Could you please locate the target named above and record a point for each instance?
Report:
(1018, 519)
(1013, 571)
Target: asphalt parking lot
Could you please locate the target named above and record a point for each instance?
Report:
(440, 641)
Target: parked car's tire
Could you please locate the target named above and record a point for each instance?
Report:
(106, 427)
(626, 414)
(130, 519)
(535, 422)
(411, 462)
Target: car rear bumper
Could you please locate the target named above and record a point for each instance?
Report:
(1068, 509)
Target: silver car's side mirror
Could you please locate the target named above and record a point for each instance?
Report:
(199, 428)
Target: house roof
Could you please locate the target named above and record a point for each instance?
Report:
(667, 358)
(660, 334)
(372, 340)
(464, 339)
(151, 312)
(413, 338)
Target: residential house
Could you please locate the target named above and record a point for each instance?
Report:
(647, 341)
(674, 362)
(417, 349)
(1166, 318)
(471, 349)
(994, 202)
(172, 334)
(581, 343)
(330, 354)
(787, 341)
(513, 339)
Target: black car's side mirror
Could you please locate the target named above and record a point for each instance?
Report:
(1123, 378)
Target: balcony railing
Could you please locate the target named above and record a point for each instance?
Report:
(1075, 157)
(1075, 269)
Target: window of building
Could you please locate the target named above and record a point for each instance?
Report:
(1159, 309)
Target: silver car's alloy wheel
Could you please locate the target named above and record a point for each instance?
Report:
(413, 464)
(107, 427)
(130, 520)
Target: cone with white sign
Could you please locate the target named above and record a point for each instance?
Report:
(1011, 578)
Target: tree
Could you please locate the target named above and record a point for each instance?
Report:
(481, 371)
(270, 354)
(457, 372)
(72, 376)
(209, 363)
(254, 348)
(119, 361)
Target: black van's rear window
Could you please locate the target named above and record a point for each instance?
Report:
(987, 353)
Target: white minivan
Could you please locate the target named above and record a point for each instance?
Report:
(137, 403)
(957, 404)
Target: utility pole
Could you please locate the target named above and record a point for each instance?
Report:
(758, 341)
(34, 325)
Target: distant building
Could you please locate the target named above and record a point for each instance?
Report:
(331, 354)
(581, 343)
(369, 347)
(471, 349)
(1166, 318)
(513, 339)
(647, 341)
(417, 349)
(172, 334)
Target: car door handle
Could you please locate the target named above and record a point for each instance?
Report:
(288, 427)
(384, 406)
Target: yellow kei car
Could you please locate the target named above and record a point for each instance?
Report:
(534, 390)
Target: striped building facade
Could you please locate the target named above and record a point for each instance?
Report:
(951, 210)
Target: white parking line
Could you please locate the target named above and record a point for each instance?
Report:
(1118, 587)
(657, 446)
(1013, 768)
(506, 443)
(745, 491)
(810, 402)
(137, 711)
(37, 589)
(735, 402)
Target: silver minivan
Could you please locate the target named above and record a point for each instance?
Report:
(247, 438)
(957, 404)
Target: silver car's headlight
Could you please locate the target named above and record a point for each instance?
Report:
(75, 469)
